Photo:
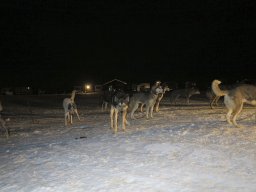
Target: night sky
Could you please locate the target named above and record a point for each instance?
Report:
(58, 44)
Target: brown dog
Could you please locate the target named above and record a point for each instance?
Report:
(234, 99)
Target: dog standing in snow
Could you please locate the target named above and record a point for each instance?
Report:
(3, 122)
(235, 98)
(70, 108)
(119, 103)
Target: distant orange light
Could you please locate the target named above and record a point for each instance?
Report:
(88, 87)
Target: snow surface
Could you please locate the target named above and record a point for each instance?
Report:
(183, 148)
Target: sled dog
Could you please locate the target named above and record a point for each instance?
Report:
(119, 103)
(70, 108)
(148, 99)
(158, 99)
(3, 122)
(187, 93)
(235, 98)
(106, 99)
(213, 98)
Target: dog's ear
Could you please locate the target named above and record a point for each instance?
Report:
(127, 99)
(168, 88)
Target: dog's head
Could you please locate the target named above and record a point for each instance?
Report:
(216, 82)
(120, 99)
(166, 88)
(157, 83)
(195, 91)
(159, 90)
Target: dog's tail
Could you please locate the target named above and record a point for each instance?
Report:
(216, 89)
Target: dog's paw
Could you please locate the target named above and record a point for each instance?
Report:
(229, 122)
(238, 126)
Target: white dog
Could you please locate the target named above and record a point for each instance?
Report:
(70, 108)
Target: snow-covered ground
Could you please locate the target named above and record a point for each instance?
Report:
(183, 148)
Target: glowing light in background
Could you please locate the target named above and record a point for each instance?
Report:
(88, 87)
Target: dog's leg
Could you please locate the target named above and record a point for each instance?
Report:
(102, 106)
(230, 111)
(188, 99)
(141, 107)
(231, 106)
(147, 111)
(237, 111)
(216, 100)
(175, 99)
(135, 107)
(157, 106)
(125, 111)
(115, 118)
(71, 119)
(111, 117)
(151, 111)
(213, 101)
(66, 118)
(124, 121)
(2, 121)
(76, 112)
